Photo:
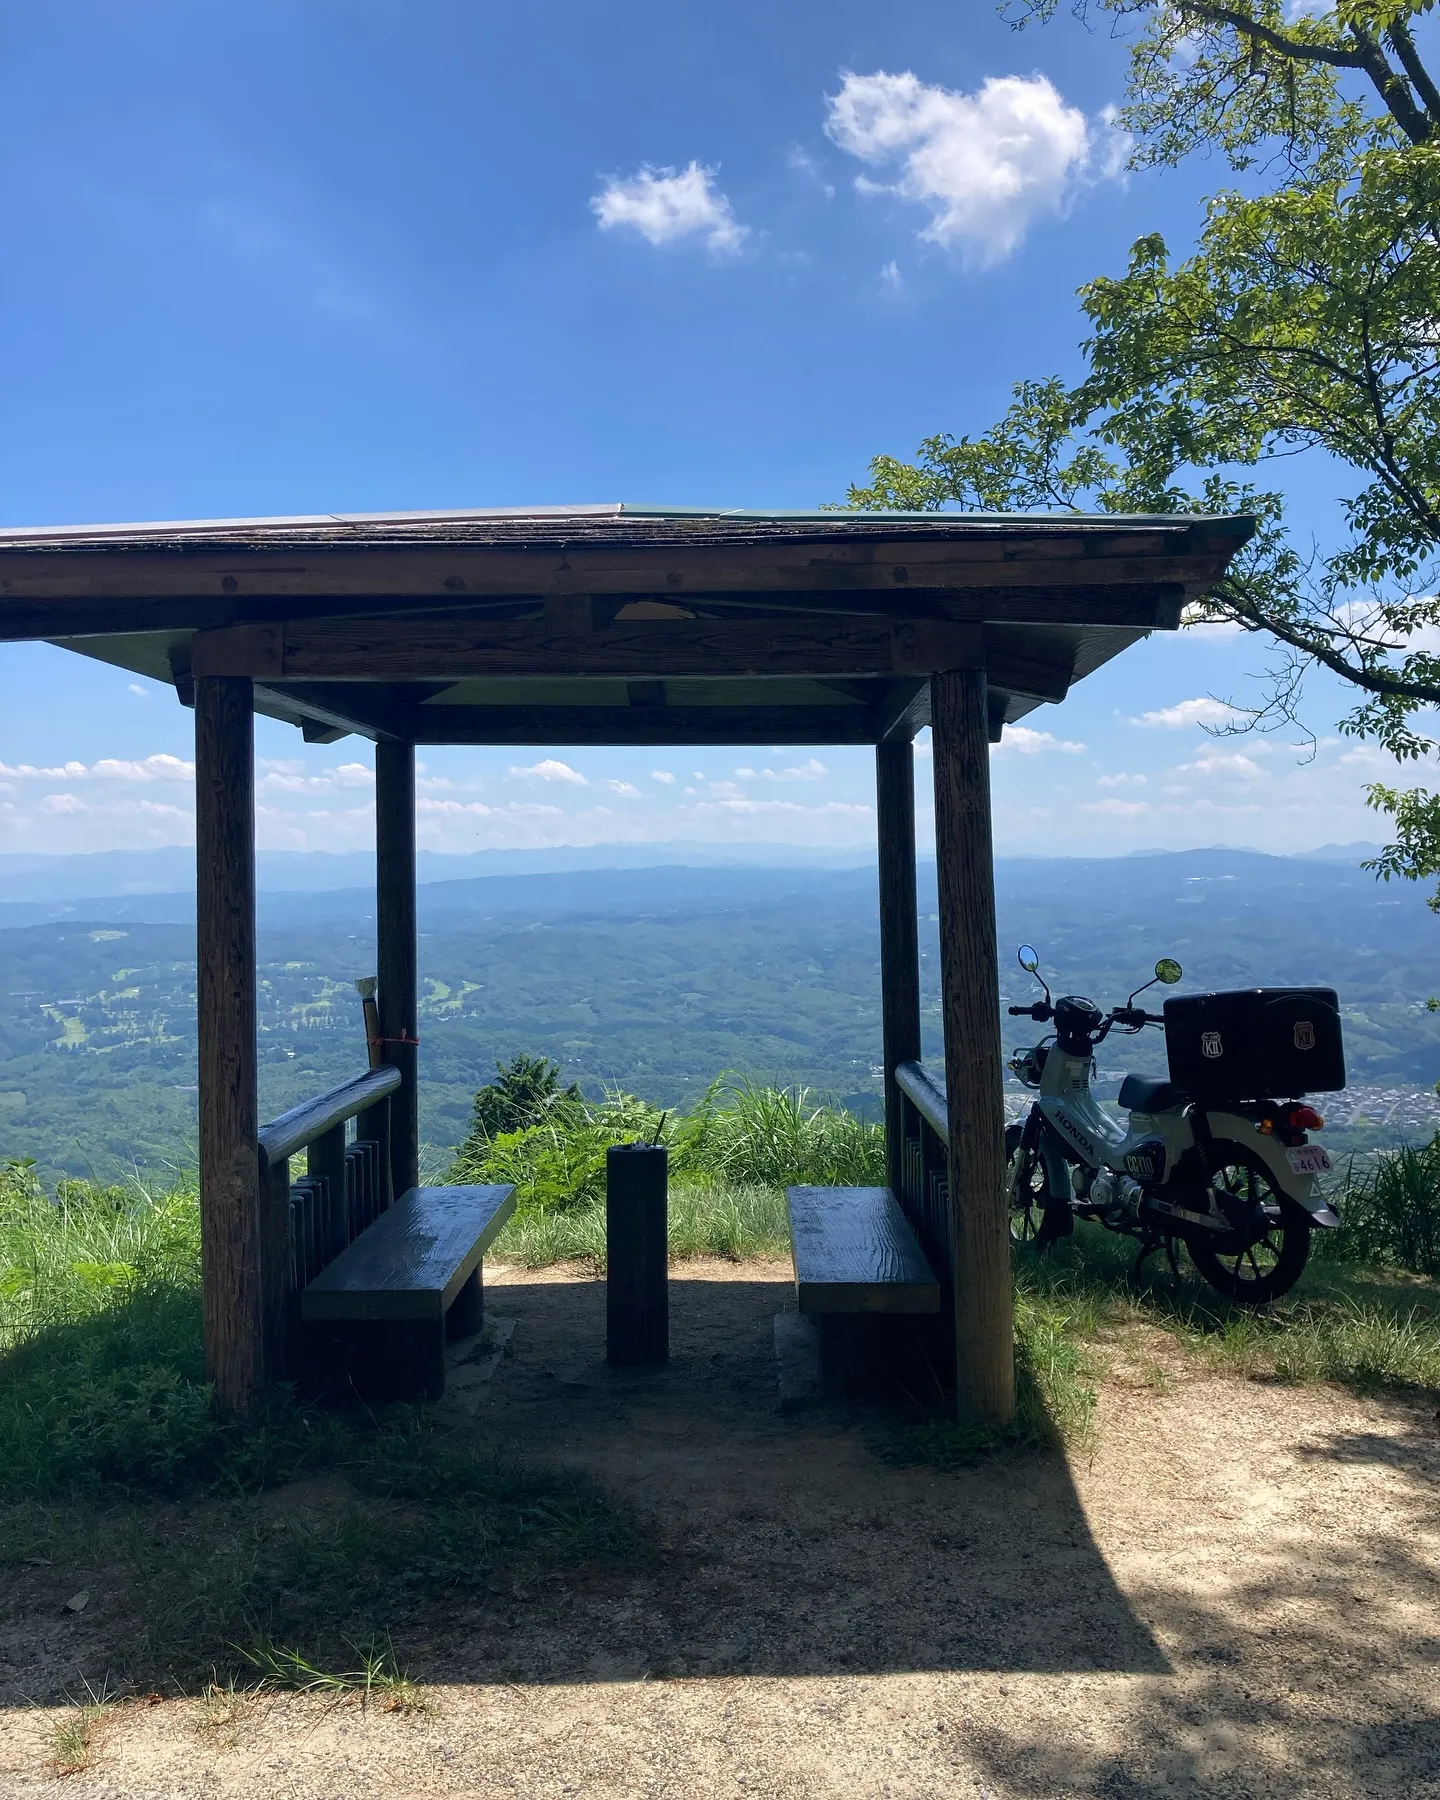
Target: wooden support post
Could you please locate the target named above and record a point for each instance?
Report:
(970, 1007)
(241, 1244)
(637, 1295)
(899, 937)
(396, 950)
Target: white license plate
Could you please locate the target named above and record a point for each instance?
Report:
(1309, 1159)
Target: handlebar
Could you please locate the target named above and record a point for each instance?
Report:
(1136, 1016)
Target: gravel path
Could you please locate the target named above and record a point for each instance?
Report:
(1233, 1594)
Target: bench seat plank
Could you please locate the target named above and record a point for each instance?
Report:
(854, 1251)
(412, 1262)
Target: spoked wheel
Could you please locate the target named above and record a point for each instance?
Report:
(1274, 1261)
(1036, 1217)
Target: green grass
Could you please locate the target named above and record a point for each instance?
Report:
(706, 1218)
(1362, 1327)
(113, 1460)
(741, 1136)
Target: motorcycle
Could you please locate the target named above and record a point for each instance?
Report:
(1235, 1183)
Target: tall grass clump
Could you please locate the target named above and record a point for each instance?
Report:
(1390, 1208)
(730, 1159)
(759, 1136)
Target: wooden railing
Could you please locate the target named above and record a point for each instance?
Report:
(924, 1183)
(346, 1185)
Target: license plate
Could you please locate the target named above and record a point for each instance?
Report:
(1309, 1159)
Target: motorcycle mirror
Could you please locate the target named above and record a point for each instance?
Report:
(1168, 971)
(1029, 958)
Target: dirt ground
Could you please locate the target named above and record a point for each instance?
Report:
(1233, 1593)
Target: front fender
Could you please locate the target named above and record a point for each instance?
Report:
(1299, 1188)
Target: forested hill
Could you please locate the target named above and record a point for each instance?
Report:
(659, 979)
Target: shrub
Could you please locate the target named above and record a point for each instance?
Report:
(526, 1091)
(559, 1163)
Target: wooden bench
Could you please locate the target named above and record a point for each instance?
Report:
(378, 1316)
(860, 1271)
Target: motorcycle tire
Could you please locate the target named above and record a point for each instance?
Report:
(1036, 1215)
(1272, 1264)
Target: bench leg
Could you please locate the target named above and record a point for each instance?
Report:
(878, 1355)
(467, 1310)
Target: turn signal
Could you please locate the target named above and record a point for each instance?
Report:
(1304, 1118)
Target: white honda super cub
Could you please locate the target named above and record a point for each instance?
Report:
(1234, 1181)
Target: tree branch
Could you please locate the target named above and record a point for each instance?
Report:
(1373, 681)
(1367, 56)
(1403, 44)
(1293, 48)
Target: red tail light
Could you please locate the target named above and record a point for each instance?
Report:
(1304, 1118)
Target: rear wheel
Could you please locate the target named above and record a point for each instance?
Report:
(1037, 1216)
(1274, 1260)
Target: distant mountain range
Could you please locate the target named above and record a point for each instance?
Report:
(113, 874)
(660, 978)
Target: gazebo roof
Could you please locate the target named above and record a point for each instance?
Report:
(613, 624)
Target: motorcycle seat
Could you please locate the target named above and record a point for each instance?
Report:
(1147, 1094)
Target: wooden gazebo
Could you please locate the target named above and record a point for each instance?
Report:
(614, 625)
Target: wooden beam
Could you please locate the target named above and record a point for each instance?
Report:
(899, 936)
(639, 725)
(241, 1241)
(1032, 676)
(905, 712)
(1138, 604)
(324, 711)
(1019, 554)
(454, 650)
(397, 951)
(970, 1007)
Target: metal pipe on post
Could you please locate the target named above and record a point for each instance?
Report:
(637, 1294)
(899, 937)
(970, 1007)
(396, 950)
(242, 1232)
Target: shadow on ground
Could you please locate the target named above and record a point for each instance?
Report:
(775, 1543)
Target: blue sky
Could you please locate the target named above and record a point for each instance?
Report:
(347, 255)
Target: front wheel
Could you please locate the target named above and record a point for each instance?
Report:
(1036, 1215)
(1274, 1260)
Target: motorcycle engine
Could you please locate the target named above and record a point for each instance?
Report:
(1116, 1196)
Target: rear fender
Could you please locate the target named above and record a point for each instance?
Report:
(1299, 1188)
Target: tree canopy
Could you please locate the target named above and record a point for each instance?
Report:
(1306, 319)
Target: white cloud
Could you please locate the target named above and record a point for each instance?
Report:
(1121, 780)
(626, 790)
(1202, 711)
(143, 692)
(801, 161)
(1116, 809)
(986, 164)
(1026, 742)
(551, 770)
(288, 777)
(663, 775)
(1223, 763)
(891, 279)
(519, 809)
(160, 767)
(664, 206)
(742, 804)
(813, 770)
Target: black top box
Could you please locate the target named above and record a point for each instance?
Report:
(1255, 1043)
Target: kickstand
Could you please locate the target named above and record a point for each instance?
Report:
(1174, 1256)
(1146, 1252)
